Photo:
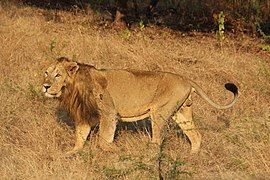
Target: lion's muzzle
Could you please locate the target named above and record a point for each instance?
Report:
(46, 87)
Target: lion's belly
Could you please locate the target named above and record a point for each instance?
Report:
(131, 95)
(132, 102)
(132, 110)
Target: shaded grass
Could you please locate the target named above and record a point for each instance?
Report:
(250, 16)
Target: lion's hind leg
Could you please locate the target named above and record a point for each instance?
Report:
(183, 118)
(159, 118)
(165, 104)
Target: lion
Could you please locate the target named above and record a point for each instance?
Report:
(106, 96)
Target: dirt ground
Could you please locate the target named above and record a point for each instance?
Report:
(35, 134)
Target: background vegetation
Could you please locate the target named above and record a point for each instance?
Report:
(35, 134)
(241, 15)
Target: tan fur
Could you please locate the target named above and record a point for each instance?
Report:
(105, 96)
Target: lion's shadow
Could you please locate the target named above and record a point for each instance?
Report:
(141, 126)
(64, 118)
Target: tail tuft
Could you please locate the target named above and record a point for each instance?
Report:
(231, 87)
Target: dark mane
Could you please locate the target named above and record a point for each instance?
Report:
(78, 98)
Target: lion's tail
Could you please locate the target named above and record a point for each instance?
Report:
(229, 86)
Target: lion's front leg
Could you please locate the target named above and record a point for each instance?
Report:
(158, 123)
(107, 129)
(108, 121)
(82, 131)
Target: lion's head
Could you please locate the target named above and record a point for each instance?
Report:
(58, 75)
(73, 82)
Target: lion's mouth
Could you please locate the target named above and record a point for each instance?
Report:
(51, 95)
(54, 95)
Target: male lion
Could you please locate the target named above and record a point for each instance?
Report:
(107, 96)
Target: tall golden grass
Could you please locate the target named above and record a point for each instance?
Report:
(35, 134)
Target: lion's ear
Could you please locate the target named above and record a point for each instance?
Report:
(72, 68)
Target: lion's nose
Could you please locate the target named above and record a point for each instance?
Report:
(46, 86)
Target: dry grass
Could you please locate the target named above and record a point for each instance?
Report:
(33, 136)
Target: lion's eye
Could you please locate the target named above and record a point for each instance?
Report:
(58, 75)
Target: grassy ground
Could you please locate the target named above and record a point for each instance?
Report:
(34, 135)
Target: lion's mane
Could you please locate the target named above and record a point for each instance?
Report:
(78, 98)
